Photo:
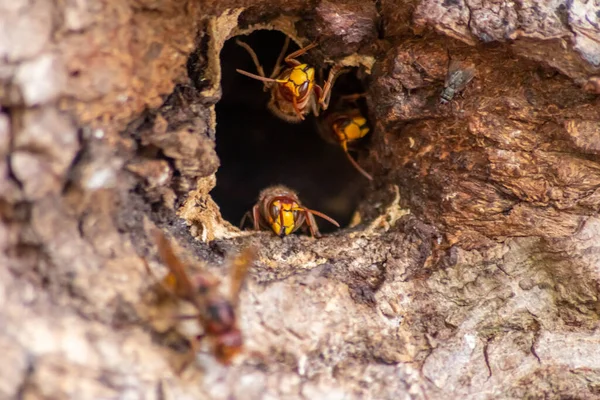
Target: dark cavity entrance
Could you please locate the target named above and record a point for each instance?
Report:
(258, 150)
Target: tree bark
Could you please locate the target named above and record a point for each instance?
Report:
(473, 271)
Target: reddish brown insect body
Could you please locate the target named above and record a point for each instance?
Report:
(347, 127)
(216, 313)
(279, 209)
(294, 92)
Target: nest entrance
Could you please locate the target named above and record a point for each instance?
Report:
(257, 149)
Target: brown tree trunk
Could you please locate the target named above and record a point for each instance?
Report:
(472, 270)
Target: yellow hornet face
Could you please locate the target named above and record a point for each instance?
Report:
(282, 217)
(300, 81)
(350, 128)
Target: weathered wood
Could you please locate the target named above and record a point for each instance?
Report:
(472, 274)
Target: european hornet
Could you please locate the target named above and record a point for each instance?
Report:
(294, 92)
(344, 127)
(214, 312)
(278, 208)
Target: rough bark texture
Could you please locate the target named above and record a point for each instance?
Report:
(473, 271)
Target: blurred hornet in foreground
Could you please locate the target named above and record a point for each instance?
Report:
(279, 209)
(294, 92)
(459, 76)
(214, 312)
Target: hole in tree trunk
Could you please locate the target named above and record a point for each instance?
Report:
(258, 150)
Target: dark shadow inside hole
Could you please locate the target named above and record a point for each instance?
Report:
(258, 150)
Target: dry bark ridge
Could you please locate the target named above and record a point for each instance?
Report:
(474, 273)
